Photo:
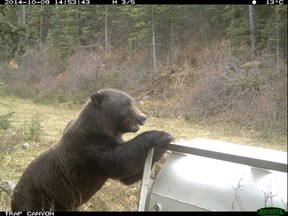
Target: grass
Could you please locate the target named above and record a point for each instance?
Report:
(113, 196)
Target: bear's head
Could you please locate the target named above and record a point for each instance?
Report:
(119, 114)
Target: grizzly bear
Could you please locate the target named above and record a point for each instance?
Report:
(90, 151)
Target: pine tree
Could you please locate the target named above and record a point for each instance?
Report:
(64, 32)
(12, 32)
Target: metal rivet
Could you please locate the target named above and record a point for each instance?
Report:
(157, 207)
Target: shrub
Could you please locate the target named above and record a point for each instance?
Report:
(5, 121)
(52, 96)
(1, 87)
(32, 128)
(247, 97)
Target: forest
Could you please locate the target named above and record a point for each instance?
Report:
(221, 63)
(212, 71)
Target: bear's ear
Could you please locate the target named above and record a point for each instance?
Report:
(97, 98)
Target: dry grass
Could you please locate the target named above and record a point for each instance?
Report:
(113, 196)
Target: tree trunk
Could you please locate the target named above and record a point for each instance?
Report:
(233, 7)
(78, 29)
(172, 35)
(23, 14)
(277, 41)
(153, 42)
(252, 30)
(41, 24)
(106, 29)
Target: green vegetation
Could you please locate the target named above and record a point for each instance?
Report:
(32, 128)
(52, 119)
(224, 62)
(5, 121)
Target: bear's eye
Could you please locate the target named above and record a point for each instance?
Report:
(126, 104)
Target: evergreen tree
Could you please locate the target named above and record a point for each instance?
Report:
(12, 32)
(63, 32)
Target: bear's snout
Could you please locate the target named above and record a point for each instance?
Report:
(142, 119)
(132, 124)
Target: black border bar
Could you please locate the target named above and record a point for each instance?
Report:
(141, 2)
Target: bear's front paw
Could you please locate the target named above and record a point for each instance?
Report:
(162, 138)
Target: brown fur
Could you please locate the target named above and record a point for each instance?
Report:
(90, 151)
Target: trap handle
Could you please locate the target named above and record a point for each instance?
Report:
(145, 181)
